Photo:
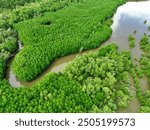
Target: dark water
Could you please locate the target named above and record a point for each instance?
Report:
(128, 19)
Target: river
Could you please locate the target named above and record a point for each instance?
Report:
(128, 19)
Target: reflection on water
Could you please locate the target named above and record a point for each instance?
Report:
(128, 19)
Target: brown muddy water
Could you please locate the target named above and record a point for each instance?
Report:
(128, 19)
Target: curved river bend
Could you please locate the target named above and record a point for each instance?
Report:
(128, 19)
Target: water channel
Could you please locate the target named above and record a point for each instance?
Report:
(129, 19)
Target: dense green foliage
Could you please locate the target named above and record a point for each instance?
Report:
(56, 93)
(138, 71)
(131, 40)
(97, 74)
(145, 58)
(29, 11)
(145, 65)
(145, 44)
(13, 3)
(145, 106)
(97, 87)
(95, 82)
(2, 68)
(136, 85)
(57, 34)
(53, 94)
(49, 29)
(8, 36)
(8, 40)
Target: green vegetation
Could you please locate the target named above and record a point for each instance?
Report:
(8, 40)
(10, 4)
(100, 88)
(131, 40)
(137, 85)
(149, 28)
(144, 43)
(90, 83)
(145, 58)
(138, 71)
(146, 103)
(2, 68)
(53, 94)
(145, 65)
(145, 21)
(97, 72)
(29, 11)
(49, 29)
(56, 34)
(9, 37)
(135, 31)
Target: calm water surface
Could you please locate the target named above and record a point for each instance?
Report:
(128, 19)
